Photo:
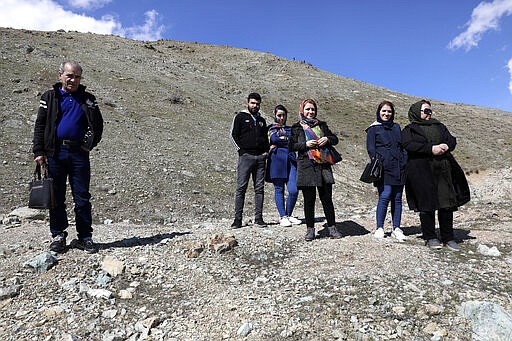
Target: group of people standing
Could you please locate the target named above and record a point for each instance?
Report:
(300, 157)
(69, 125)
(293, 158)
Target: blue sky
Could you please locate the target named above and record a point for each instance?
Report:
(456, 51)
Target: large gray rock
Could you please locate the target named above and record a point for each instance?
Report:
(42, 262)
(489, 321)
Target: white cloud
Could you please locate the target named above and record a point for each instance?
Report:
(48, 15)
(509, 65)
(485, 16)
(149, 31)
(88, 4)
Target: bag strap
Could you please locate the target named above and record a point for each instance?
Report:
(41, 171)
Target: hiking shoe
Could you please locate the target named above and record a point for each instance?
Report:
(285, 222)
(294, 220)
(310, 234)
(434, 244)
(334, 233)
(452, 245)
(87, 245)
(237, 223)
(379, 233)
(398, 234)
(260, 223)
(58, 243)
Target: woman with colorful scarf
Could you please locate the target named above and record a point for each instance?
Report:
(311, 139)
(435, 181)
(282, 167)
(383, 141)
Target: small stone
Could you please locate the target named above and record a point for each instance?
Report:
(9, 292)
(54, 311)
(112, 266)
(487, 251)
(109, 313)
(244, 329)
(125, 294)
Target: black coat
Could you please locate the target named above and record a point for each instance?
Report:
(310, 173)
(421, 185)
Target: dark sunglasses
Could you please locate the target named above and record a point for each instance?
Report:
(427, 111)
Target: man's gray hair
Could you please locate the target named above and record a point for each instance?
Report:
(70, 62)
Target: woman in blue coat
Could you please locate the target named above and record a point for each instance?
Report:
(282, 167)
(383, 141)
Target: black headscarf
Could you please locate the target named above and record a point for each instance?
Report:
(415, 114)
(429, 126)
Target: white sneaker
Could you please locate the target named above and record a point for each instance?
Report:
(284, 222)
(398, 234)
(379, 233)
(294, 220)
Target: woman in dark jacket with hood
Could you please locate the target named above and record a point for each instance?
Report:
(383, 141)
(310, 138)
(435, 181)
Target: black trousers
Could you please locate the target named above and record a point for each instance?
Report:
(428, 226)
(325, 194)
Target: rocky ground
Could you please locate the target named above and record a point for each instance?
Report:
(170, 268)
(171, 284)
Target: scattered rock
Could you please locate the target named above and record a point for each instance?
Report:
(42, 262)
(112, 266)
(488, 251)
(489, 321)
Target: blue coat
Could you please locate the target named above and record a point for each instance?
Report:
(385, 143)
(280, 159)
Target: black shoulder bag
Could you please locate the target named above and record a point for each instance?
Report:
(372, 172)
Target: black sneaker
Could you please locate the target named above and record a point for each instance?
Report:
(58, 243)
(87, 245)
(260, 223)
(237, 223)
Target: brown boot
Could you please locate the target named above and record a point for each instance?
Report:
(334, 233)
(310, 234)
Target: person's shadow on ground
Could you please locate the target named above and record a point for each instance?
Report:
(140, 241)
(347, 228)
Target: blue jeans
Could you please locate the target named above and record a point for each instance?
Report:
(250, 165)
(72, 162)
(389, 193)
(293, 193)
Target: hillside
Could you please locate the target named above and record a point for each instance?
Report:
(163, 184)
(168, 107)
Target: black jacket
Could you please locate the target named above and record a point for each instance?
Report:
(49, 115)
(422, 183)
(310, 173)
(247, 136)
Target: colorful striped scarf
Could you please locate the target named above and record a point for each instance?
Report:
(312, 131)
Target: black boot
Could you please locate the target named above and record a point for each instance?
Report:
(334, 233)
(310, 234)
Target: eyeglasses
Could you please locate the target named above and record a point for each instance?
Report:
(427, 111)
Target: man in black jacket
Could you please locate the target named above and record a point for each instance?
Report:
(68, 125)
(249, 135)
